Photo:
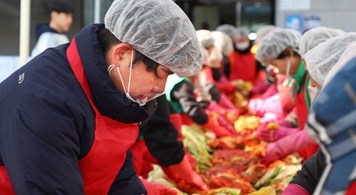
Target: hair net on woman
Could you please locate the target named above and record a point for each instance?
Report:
(243, 31)
(223, 42)
(229, 30)
(323, 57)
(263, 31)
(205, 38)
(315, 36)
(348, 55)
(160, 30)
(275, 43)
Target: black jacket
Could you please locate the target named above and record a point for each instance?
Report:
(311, 172)
(183, 93)
(161, 135)
(47, 123)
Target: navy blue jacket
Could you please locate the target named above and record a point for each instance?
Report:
(47, 123)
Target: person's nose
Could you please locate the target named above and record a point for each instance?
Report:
(160, 86)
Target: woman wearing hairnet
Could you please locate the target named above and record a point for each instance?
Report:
(242, 62)
(325, 59)
(276, 102)
(265, 87)
(221, 102)
(223, 43)
(280, 48)
(71, 114)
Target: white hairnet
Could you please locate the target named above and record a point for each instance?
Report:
(324, 56)
(229, 30)
(160, 30)
(205, 55)
(346, 56)
(275, 43)
(223, 42)
(243, 31)
(205, 38)
(263, 31)
(315, 36)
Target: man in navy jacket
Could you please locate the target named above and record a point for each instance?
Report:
(69, 116)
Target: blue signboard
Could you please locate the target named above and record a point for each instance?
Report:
(294, 22)
(311, 22)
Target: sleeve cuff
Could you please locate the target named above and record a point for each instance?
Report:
(293, 189)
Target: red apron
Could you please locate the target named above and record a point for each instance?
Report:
(206, 76)
(284, 95)
(112, 140)
(302, 113)
(352, 189)
(302, 110)
(141, 163)
(242, 66)
(138, 150)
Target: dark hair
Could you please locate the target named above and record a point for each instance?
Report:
(285, 53)
(107, 40)
(60, 6)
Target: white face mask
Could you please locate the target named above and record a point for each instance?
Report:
(242, 45)
(141, 102)
(288, 68)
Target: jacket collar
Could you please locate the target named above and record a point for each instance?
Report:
(107, 98)
(42, 28)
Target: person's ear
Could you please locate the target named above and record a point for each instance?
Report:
(54, 15)
(290, 52)
(121, 52)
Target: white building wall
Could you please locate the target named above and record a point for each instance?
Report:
(333, 13)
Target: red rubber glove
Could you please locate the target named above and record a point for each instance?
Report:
(214, 107)
(228, 114)
(285, 123)
(226, 88)
(224, 80)
(185, 172)
(226, 103)
(274, 135)
(172, 174)
(294, 189)
(217, 129)
(222, 122)
(157, 189)
(287, 145)
(190, 158)
(271, 90)
(259, 89)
